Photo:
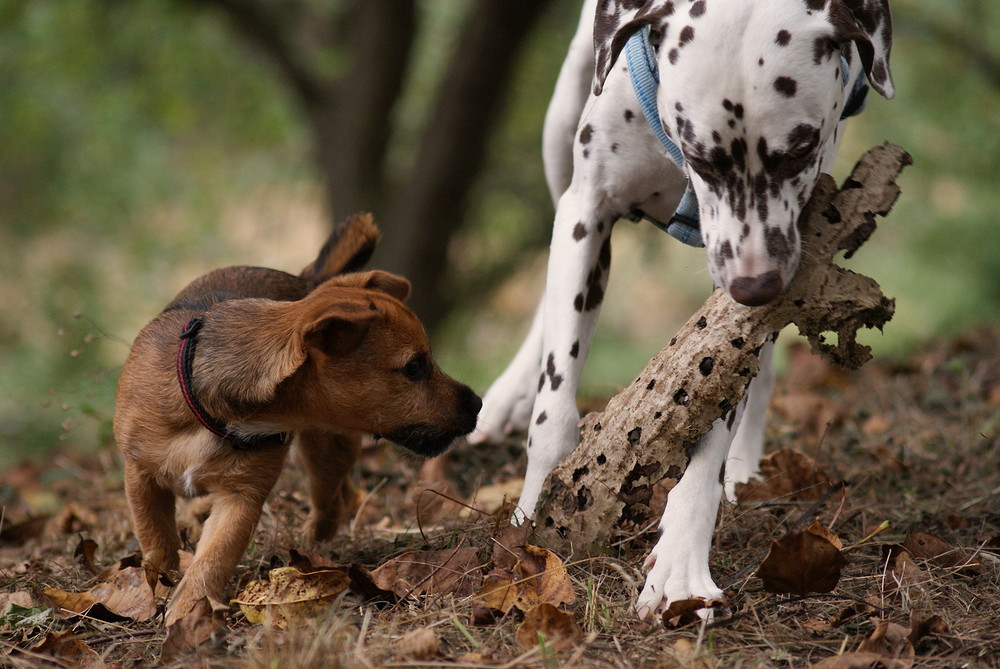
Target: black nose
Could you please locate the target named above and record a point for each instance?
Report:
(754, 291)
(471, 402)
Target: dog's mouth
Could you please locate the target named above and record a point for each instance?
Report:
(425, 440)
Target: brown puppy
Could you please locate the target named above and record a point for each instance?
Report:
(245, 359)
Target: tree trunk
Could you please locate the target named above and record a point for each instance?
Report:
(645, 432)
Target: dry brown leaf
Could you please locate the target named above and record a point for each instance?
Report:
(546, 622)
(902, 572)
(454, 571)
(17, 534)
(788, 475)
(509, 545)
(920, 626)
(195, 629)
(307, 561)
(499, 592)
(859, 660)
(84, 554)
(491, 498)
(801, 563)
(892, 642)
(74, 518)
(542, 579)
(420, 644)
(684, 612)
(67, 647)
(823, 531)
(290, 597)
(363, 585)
(20, 598)
(922, 545)
(125, 594)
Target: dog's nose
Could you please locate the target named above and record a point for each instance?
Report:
(754, 291)
(472, 402)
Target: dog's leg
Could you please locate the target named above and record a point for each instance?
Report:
(507, 404)
(678, 563)
(236, 508)
(153, 509)
(748, 444)
(328, 459)
(579, 261)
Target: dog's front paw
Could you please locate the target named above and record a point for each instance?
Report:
(503, 413)
(674, 574)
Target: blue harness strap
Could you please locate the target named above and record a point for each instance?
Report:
(684, 225)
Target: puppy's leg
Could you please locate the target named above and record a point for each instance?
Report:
(236, 508)
(507, 403)
(748, 444)
(153, 508)
(678, 563)
(328, 459)
(579, 261)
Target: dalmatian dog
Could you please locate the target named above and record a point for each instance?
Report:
(752, 93)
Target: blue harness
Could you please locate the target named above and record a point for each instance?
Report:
(684, 225)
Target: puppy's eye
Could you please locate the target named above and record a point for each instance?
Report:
(416, 369)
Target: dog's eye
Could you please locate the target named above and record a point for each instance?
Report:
(416, 369)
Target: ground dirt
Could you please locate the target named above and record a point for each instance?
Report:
(915, 441)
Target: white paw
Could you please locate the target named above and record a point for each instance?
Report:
(674, 574)
(504, 411)
(738, 471)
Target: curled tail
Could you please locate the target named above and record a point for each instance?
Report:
(348, 249)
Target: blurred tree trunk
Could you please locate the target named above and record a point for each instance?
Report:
(346, 65)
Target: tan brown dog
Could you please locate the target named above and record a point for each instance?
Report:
(245, 359)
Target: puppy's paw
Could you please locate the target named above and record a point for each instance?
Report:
(674, 574)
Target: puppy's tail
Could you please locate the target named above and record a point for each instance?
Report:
(348, 249)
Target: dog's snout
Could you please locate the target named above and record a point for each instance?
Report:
(469, 404)
(754, 291)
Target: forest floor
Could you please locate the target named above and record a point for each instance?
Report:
(439, 581)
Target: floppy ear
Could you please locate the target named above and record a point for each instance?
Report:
(384, 282)
(868, 24)
(339, 329)
(616, 21)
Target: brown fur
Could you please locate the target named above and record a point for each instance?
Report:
(325, 359)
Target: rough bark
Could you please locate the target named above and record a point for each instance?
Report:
(645, 432)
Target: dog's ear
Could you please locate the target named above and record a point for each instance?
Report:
(868, 24)
(384, 282)
(616, 21)
(340, 328)
(348, 248)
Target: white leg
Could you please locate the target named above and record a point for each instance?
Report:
(748, 444)
(678, 563)
(507, 403)
(579, 261)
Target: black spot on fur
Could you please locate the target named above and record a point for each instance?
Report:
(783, 38)
(542, 417)
(687, 34)
(629, 115)
(697, 9)
(579, 231)
(586, 134)
(786, 86)
(555, 380)
(578, 302)
(575, 350)
(672, 56)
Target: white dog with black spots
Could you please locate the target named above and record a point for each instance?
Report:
(752, 92)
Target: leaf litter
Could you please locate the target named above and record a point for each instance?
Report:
(908, 573)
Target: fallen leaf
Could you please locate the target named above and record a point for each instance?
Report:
(420, 644)
(15, 535)
(73, 519)
(363, 585)
(892, 642)
(84, 555)
(491, 498)
(924, 546)
(290, 597)
(455, 571)
(546, 623)
(307, 561)
(542, 579)
(859, 660)
(800, 563)
(684, 612)
(921, 627)
(125, 595)
(508, 544)
(195, 629)
(21, 599)
(788, 475)
(67, 647)
(499, 592)
(902, 572)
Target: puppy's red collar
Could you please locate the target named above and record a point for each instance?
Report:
(185, 360)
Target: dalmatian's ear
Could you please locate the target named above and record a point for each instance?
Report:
(615, 23)
(868, 24)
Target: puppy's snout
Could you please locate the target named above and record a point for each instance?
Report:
(754, 291)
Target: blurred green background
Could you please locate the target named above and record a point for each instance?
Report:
(145, 142)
